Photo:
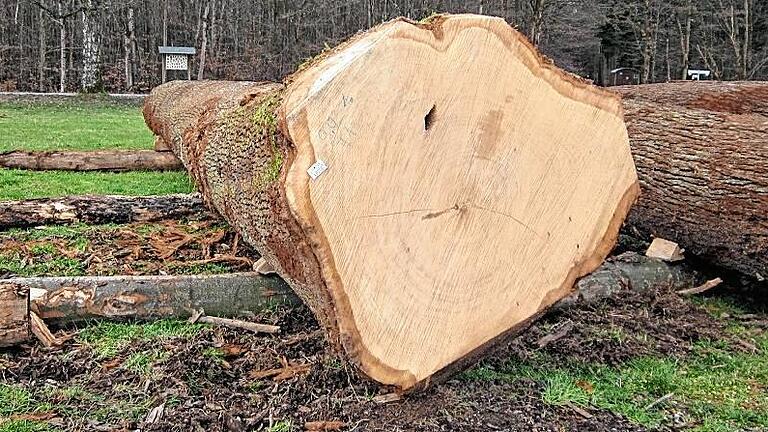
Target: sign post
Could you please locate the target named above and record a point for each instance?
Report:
(176, 59)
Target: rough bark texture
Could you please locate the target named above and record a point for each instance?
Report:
(101, 210)
(14, 304)
(107, 160)
(701, 151)
(241, 175)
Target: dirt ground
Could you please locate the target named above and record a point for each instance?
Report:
(220, 393)
(217, 379)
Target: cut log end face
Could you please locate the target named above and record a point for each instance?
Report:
(467, 184)
(442, 184)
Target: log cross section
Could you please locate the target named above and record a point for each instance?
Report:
(426, 188)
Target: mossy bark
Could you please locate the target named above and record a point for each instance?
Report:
(242, 175)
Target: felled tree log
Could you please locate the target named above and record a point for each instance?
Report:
(701, 150)
(103, 160)
(101, 210)
(64, 300)
(426, 188)
(68, 300)
(629, 271)
(60, 300)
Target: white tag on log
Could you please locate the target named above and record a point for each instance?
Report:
(317, 169)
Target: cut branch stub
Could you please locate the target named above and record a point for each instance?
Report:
(425, 188)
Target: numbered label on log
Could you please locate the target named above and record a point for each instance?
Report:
(317, 169)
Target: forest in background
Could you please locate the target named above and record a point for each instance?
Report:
(111, 45)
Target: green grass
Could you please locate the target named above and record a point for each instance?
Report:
(45, 264)
(142, 362)
(716, 388)
(25, 426)
(75, 125)
(79, 124)
(21, 184)
(16, 400)
(70, 232)
(281, 426)
(213, 353)
(108, 339)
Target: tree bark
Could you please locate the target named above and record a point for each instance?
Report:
(41, 51)
(90, 79)
(104, 160)
(204, 43)
(101, 210)
(701, 154)
(382, 210)
(62, 48)
(629, 271)
(71, 300)
(129, 48)
(60, 300)
(67, 300)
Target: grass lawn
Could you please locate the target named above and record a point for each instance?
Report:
(75, 125)
(21, 184)
(79, 124)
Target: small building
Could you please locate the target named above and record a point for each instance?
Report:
(624, 76)
(699, 74)
(176, 59)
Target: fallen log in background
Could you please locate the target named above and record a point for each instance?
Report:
(701, 151)
(630, 271)
(67, 300)
(92, 209)
(59, 300)
(426, 188)
(102, 160)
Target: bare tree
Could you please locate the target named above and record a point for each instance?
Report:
(90, 80)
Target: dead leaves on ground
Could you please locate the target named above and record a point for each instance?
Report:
(318, 426)
(287, 371)
(169, 247)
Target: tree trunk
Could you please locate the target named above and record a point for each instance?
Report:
(71, 300)
(90, 80)
(105, 160)
(101, 210)
(62, 49)
(129, 50)
(629, 271)
(420, 211)
(685, 38)
(204, 43)
(41, 51)
(165, 22)
(60, 300)
(66, 300)
(701, 153)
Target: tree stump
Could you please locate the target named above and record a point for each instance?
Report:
(426, 188)
(14, 307)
